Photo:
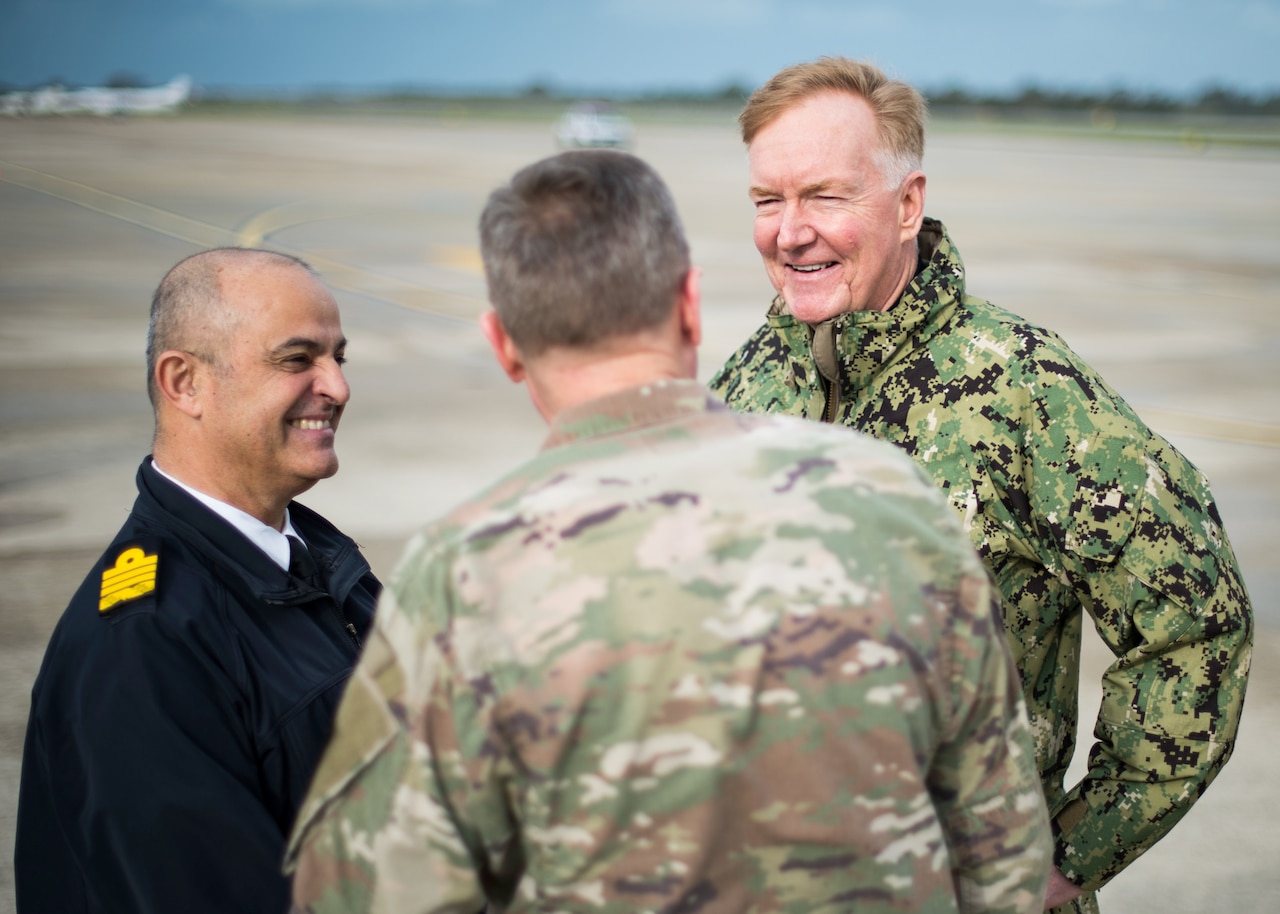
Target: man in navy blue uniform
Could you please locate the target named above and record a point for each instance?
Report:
(189, 687)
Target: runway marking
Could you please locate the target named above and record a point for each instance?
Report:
(463, 257)
(440, 303)
(122, 208)
(256, 230)
(300, 212)
(347, 277)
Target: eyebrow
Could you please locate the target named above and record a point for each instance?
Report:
(808, 190)
(310, 345)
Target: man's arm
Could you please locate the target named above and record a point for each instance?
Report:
(1170, 711)
(386, 820)
(984, 779)
(1156, 572)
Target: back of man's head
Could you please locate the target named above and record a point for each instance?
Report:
(900, 110)
(189, 312)
(580, 248)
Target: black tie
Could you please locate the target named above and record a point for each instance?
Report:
(302, 565)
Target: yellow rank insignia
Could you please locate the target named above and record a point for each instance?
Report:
(132, 576)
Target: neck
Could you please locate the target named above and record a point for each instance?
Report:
(184, 466)
(907, 271)
(560, 379)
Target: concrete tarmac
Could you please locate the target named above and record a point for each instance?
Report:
(1155, 259)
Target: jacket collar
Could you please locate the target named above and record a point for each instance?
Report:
(853, 347)
(636, 407)
(221, 545)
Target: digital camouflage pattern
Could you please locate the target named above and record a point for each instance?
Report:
(685, 660)
(1073, 503)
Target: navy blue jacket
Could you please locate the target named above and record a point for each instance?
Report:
(182, 706)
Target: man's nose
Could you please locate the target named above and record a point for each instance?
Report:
(794, 228)
(331, 383)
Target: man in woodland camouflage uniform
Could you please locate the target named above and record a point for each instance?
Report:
(1071, 500)
(685, 659)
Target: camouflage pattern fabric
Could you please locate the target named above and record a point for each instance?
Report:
(685, 660)
(1073, 504)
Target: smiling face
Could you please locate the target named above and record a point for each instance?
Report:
(270, 407)
(833, 234)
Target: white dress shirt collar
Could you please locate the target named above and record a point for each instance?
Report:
(270, 540)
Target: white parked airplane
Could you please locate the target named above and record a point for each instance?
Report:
(98, 100)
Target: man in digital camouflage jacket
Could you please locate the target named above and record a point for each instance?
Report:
(1073, 503)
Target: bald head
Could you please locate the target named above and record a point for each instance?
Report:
(189, 311)
(246, 352)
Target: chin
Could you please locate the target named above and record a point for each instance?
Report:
(814, 312)
(814, 305)
(325, 473)
(309, 476)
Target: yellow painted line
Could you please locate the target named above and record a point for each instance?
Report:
(140, 214)
(266, 223)
(338, 274)
(462, 257)
(253, 232)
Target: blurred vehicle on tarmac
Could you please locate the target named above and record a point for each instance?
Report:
(593, 125)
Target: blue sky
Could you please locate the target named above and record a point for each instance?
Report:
(1173, 47)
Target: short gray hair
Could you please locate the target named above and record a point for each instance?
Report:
(190, 295)
(900, 110)
(582, 247)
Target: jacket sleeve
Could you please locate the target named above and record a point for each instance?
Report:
(984, 778)
(1145, 550)
(393, 820)
(140, 784)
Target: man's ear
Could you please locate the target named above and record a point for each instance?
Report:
(504, 350)
(911, 205)
(689, 304)
(177, 373)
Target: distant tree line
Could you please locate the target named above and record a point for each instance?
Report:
(1212, 100)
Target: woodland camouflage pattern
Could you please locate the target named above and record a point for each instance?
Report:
(1073, 503)
(686, 660)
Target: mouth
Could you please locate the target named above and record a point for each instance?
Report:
(311, 425)
(810, 267)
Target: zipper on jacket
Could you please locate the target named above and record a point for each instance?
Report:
(822, 342)
(347, 626)
(833, 400)
(346, 623)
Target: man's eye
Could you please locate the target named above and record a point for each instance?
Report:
(340, 358)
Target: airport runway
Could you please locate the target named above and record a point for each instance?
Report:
(1156, 260)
